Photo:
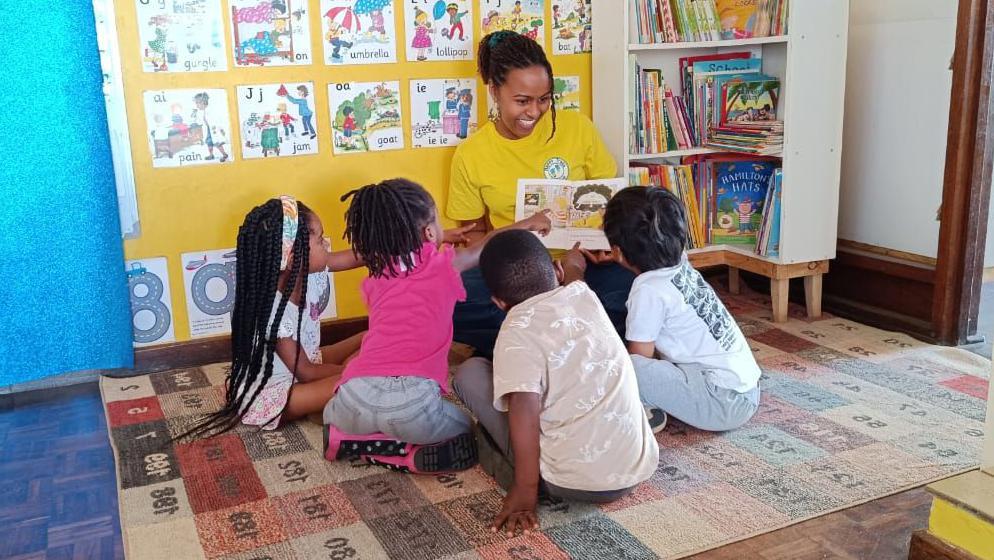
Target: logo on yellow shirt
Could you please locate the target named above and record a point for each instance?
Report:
(556, 168)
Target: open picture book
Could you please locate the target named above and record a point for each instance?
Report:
(577, 209)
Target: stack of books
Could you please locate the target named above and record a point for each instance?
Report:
(768, 239)
(759, 138)
(675, 21)
(659, 120)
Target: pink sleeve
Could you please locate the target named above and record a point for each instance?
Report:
(449, 254)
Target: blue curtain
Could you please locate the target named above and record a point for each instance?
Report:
(63, 294)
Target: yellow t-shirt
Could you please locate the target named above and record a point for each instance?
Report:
(487, 166)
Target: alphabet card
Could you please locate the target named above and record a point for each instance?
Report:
(358, 31)
(443, 112)
(571, 30)
(277, 120)
(187, 127)
(526, 17)
(181, 35)
(438, 30)
(566, 93)
(151, 301)
(209, 277)
(365, 116)
(270, 32)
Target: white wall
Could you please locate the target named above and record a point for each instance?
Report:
(897, 112)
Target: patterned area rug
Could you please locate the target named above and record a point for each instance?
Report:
(849, 413)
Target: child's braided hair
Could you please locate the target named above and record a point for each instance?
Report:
(503, 51)
(385, 224)
(253, 338)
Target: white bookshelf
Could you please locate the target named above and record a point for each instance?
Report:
(811, 64)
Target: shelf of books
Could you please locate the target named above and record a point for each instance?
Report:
(736, 107)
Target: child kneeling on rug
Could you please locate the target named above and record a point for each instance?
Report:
(705, 374)
(389, 407)
(561, 396)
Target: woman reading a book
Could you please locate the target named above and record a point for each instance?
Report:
(525, 139)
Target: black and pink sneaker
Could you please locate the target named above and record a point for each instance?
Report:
(456, 454)
(340, 445)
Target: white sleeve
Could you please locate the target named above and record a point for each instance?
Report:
(646, 315)
(519, 366)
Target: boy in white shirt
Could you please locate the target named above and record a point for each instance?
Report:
(561, 399)
(690, 357)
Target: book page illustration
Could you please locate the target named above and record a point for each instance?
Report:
(151, 301)
(443, 112)
(270, 32)
(576, 209)
(438, 30)
(277, 120)
(365, 116)
(187, 127)
(571, 29)
(358, 31)
(180, 35)
(526, 17)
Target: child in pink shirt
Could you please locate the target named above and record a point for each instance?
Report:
(389, 406)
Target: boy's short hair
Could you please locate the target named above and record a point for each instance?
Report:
(516, 266)
(649, 225)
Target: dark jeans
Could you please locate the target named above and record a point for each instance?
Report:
(477, 320)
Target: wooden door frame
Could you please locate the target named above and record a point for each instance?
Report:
(967, 179)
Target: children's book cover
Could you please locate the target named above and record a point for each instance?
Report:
(151, 301)
(209, 278)
(443, 112)
(749, 99)
(438, 30)
(576, 209)
(737, 17)
(571, 28)
(526, 17)
(187, 127)
(181, 35)
(270, 32)
(358, 31)
(277, 120)
(365, 116)
(737, 200)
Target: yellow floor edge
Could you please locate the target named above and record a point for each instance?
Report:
(961, 529)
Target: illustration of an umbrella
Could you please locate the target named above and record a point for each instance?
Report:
(347, 18)
(369, 6)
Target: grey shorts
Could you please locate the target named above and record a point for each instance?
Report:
(410, 409)
(684, 392)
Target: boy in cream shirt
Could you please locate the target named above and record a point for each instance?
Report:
(560, 399)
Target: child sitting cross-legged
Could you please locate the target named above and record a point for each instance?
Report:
(560, 399)
(691, 359)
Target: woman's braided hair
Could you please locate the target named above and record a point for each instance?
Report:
(503, 51)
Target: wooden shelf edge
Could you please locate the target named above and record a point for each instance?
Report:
(763, 266)
(775, 39)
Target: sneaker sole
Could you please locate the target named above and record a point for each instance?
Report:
(456, 454)
(354, 448)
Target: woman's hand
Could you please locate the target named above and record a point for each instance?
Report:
(539, 222)
(457, 236)
(518, 512)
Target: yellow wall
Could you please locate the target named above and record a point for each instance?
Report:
(191, 209)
